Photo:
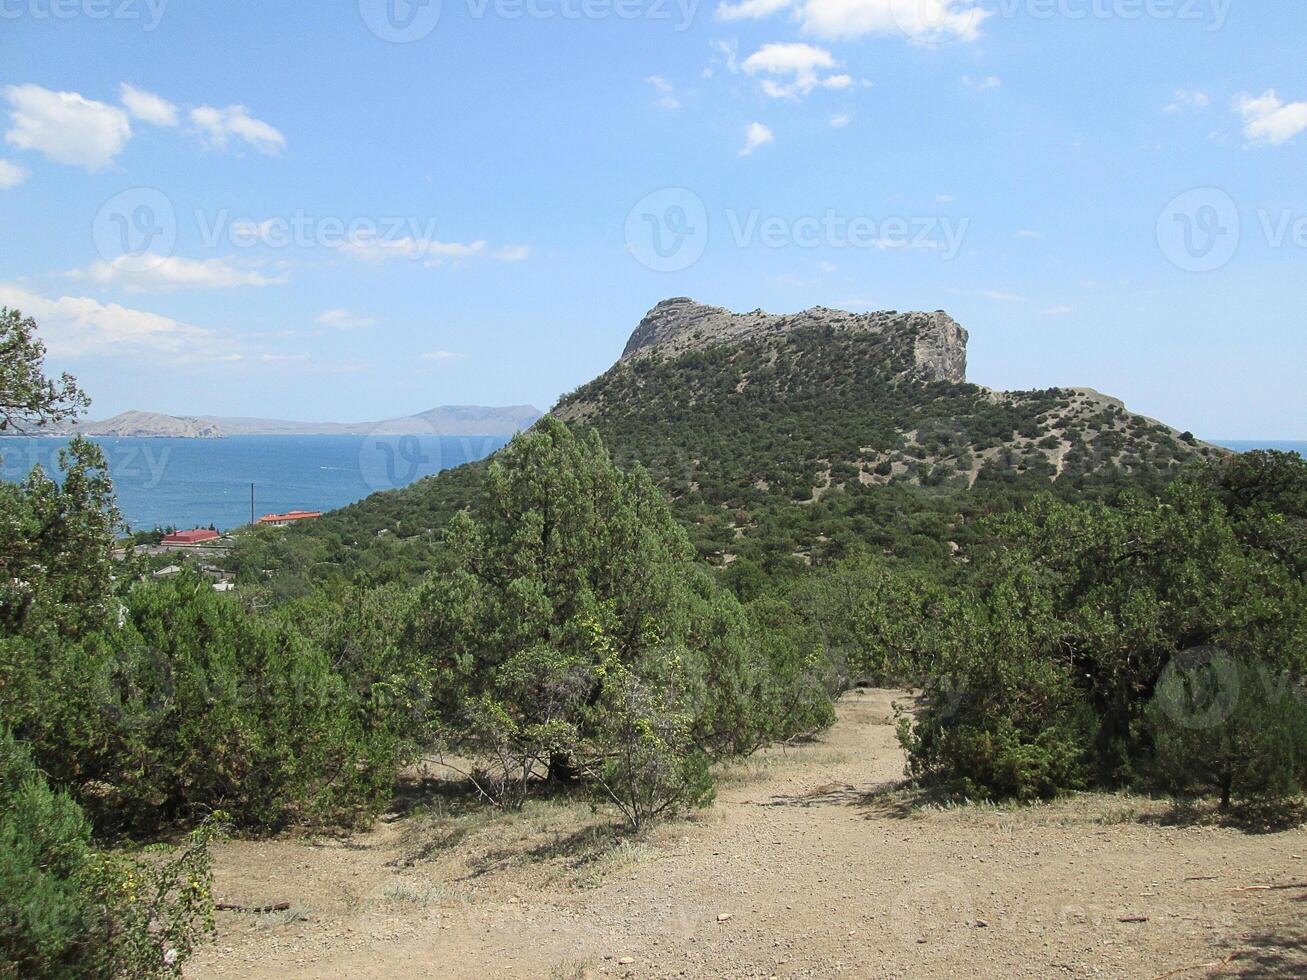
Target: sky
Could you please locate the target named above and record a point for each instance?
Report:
(359, 209)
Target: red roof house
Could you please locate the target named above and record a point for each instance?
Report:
(290, 517)
(198, 536)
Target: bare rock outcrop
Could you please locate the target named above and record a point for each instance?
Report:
(679, 325)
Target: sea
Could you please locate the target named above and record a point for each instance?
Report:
(189, 483)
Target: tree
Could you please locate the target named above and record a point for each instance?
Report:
(1229, 727)
(57, 566)
(560, 540)
(28, 399)
(568, 617)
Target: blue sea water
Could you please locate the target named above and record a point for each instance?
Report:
(187, 483)
(1247, 445)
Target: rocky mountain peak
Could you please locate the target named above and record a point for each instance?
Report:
(679, 325)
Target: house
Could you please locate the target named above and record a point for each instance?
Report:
(198, 536)
(290, 517)
(167, 572)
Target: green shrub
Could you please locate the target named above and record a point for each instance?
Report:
(69, 911)
(189, 705)
(1228, 727)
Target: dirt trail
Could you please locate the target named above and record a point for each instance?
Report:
(804, 867)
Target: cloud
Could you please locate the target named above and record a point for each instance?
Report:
(66, 127)
(920, 20)
(668, 98)
(1268, 121)
(156, 273)
(750, 9)
(344, 320)
(218, 126)
(440, 355)
(148, 107)
(799, 63)
(755, 135)
(840, 120)
(729, 57)
(371, 248)
(11, 175)
(1188, 99)
(76, 326)
(982, 84)
(1056, 310)
(1028, 233)
(944, 198)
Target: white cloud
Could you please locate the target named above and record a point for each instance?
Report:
(370, 248)
(66, 127)
(218, 126)
(344, 320)
(944, 198)
(148, 107)
(440, 355)
(755, 136)
(1267, 120)
(1056, 311)
(668, 98)
(750, 9)
(1029, 233)
(729, 55)
(920, 20)
(76, 326)
(1188, 99)
(840, 120)
(156, 273)
(799, 63)
(982, 84)
(11, 175)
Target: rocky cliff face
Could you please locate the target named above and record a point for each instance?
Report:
(679, 325)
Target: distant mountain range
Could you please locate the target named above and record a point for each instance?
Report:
(447, 420)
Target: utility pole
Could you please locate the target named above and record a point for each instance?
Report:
(251, 503)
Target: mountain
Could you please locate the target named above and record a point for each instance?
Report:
(448, 420)
(735, 407)
(790, 439)
(146, 424)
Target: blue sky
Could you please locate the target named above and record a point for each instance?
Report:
(349, 210)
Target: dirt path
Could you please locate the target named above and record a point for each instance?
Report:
(804, 867)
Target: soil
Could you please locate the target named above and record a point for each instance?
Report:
(812, 862)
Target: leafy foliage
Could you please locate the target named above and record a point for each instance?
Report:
(68, 910)
(568, 615)
(28, 399)
(1084, 611)
(188, 705)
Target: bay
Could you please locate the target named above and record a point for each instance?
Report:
(186, 483)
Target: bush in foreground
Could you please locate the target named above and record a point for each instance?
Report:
(68, 910)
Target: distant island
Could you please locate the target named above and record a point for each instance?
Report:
(447, 420)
